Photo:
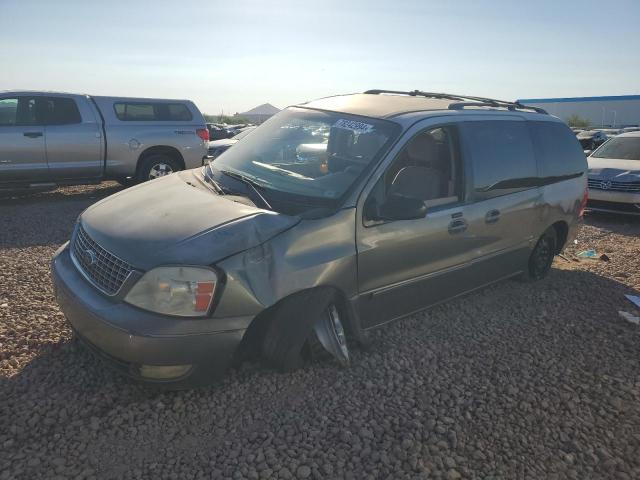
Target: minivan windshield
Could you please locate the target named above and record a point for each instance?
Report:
(308, 153)
(626, 148)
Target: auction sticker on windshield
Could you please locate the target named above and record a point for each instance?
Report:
(353, 125)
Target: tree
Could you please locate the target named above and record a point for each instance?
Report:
(578, 121)
(225, 119)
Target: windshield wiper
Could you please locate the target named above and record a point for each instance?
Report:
(209, 179)
(249, 182)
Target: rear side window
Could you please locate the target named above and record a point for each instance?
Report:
(558, 151)
(152, 112)
(61, 111)
(502, 155)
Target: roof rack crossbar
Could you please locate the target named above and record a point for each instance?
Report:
(464, 100)
(418, 93)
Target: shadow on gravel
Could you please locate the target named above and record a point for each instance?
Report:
(46, 218)
(627, 225)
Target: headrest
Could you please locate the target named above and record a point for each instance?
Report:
(367, 145)
(422, 149)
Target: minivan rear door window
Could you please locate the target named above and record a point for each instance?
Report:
(560, 156)
(502, 157)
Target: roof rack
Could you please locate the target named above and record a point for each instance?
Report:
(463, 100)
(513, 106)
(418, 93)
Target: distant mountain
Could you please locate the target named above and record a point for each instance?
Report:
(264, 109)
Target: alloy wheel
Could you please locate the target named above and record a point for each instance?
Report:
(160, 170)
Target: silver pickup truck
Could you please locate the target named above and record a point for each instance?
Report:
(60, 138)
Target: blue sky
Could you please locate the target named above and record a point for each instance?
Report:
(232, 55)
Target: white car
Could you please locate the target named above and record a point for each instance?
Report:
(614, 175)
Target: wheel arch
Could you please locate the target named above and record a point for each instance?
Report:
(562, 232)
(170, 151)
(256, 331)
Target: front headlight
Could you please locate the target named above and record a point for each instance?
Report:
(182, 291)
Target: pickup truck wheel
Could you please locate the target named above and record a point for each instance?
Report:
(541, 257)
(156, 166)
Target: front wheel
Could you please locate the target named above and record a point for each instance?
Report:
(309, 324)
(542, 255)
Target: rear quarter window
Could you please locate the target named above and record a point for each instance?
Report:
(558, 151)
(502, 156)
(152, 112)
(61, 111)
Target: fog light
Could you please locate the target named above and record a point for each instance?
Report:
(163, 372)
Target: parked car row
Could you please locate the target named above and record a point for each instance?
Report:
(59, 138)
(221, 131)
(216, 147)
(592, 138)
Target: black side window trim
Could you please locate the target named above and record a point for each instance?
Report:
(528, 182)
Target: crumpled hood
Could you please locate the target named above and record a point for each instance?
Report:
(170, 221)
(620, 170)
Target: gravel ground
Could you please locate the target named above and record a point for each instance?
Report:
(514, 381)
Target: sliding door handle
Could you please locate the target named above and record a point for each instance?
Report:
(458, 225)
(492, 216)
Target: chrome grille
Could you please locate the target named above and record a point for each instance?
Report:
(614, 186)
(103, 269)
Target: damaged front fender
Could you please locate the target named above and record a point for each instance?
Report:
(314, 254)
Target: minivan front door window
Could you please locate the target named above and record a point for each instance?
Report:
(427, 169)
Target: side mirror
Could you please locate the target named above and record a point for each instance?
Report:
(399, 207)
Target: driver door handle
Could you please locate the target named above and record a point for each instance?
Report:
(457, 225)
(492, 216)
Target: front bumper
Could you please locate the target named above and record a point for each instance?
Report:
(131, 337)
(613, 201)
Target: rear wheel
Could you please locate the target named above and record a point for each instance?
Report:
(542, 255)
(156, 166)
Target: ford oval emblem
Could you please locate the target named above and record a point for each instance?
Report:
(91, 256)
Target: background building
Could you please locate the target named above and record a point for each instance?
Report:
(612, 111)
